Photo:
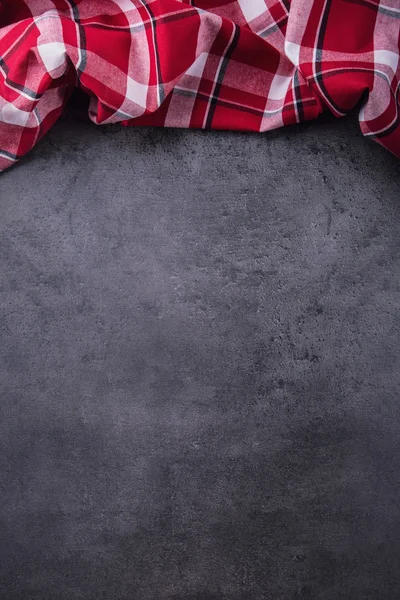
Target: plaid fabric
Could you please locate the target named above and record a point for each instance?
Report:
(224, 64)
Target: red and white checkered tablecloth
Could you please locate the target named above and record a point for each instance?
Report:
(220, 64)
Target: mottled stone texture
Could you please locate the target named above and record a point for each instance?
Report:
(199, 366)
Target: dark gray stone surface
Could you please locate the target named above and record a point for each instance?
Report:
(199, 366)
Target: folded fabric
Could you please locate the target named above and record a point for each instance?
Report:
(220, 64)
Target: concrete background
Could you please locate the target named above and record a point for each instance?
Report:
(199, 366)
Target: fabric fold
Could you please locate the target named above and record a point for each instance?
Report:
(251, 65)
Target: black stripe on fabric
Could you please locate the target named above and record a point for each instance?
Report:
(286, 4)
(297, 94)
(36, 113)
(82, 37)
(221, 75)
(318, 62)
(4, 65)
(269, 30)
(18, 86)
(9, 155)
(157, 54)
(23, 89)
(82, 64)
